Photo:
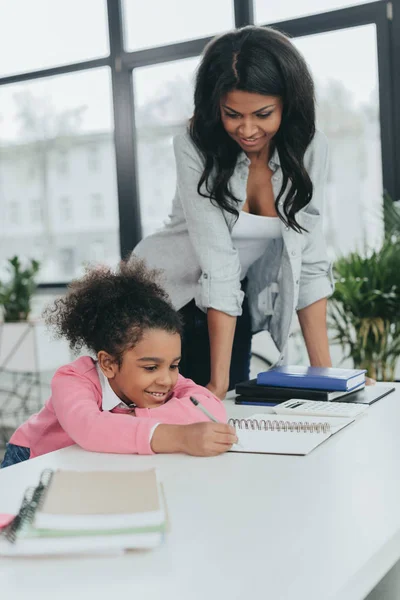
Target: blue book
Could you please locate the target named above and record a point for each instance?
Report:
(248, 400)
(314, 378)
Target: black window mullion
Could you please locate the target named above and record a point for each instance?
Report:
(395, 73)
(244, 12)
(161, 54)
(386, 105)
(124, 135)
(85, 65)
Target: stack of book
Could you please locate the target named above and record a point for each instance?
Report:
(311, 383)
(87, 512)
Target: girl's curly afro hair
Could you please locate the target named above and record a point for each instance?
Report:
(110, 310)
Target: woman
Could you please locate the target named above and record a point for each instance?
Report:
(244, 246)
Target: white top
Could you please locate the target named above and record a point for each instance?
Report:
(251, 234)
(109, 399)
(321, 527)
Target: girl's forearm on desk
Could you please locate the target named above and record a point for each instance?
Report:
(167, 439)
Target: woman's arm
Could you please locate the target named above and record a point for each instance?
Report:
(220, 291)
(219, 282)
(316, 280)
(313, 325)
(312, 320)
(221, 331)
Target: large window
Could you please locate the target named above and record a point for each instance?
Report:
(37, 34)
(345, 70)
(160, 22)
(92, 93)
(163, 105)
(270, 12)
(49, 129)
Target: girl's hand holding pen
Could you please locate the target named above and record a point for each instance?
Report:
(196, 439)
(208, 439)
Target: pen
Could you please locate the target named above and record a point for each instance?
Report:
(203, 409)
(209, 415)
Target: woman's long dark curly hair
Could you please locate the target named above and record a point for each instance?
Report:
(111, 310)
(263, 61)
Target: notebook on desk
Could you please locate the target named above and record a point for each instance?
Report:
(280, 434)
(101, 500)
(368, 395)
(72, 512)
(316, 378)
(267, 393)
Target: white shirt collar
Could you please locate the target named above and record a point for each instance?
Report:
(273, 164)
(110, 399)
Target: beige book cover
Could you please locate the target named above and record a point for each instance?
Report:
(101, 499)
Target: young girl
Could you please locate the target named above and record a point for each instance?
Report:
(132, 398)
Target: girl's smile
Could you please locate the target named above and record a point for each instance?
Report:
(158, 396)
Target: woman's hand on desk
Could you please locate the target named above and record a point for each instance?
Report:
(218, 390)
(196, 439)
(369, 381)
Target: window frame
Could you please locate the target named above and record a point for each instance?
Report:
(379, 14)
(385, 15)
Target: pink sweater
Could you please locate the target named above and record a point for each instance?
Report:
(73, 415)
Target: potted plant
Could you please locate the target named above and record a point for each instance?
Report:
(25, 344)
(17, 337)
(28, 355)
(16, 293)
(364, 309)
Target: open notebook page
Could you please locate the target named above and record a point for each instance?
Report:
(286, 442)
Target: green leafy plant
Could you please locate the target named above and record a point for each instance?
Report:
(16, 293)
(364, 309)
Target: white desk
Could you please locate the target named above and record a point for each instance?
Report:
(321, 527)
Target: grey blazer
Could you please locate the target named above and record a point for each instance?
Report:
(199, 261)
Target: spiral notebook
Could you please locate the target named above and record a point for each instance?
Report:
(278, 434)
(128, 512)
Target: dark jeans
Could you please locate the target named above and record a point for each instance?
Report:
(195, 362)
(15, 454)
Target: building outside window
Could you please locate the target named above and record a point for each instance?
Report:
(93, 157)
(62, 162)
(97, 206)
(67, 262)
(14, 213)
(36, 211)
(65, 209)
